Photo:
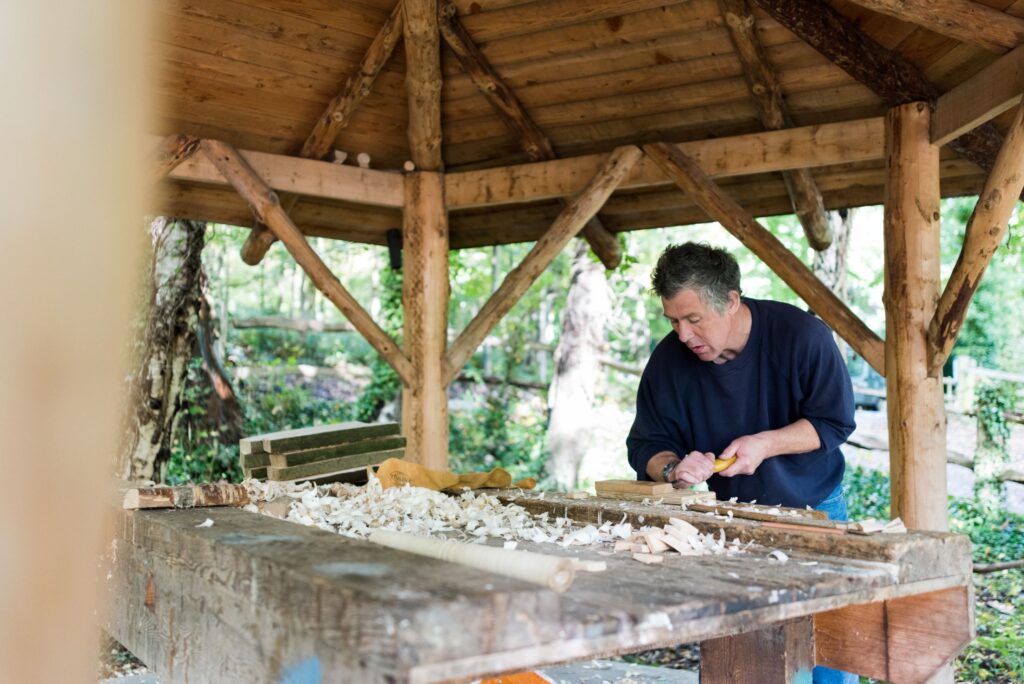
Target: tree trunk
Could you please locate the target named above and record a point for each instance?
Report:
(158, 379)
(223, 415)
(830, 264)
(577, 368)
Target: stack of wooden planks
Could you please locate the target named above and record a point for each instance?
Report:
(321, 453)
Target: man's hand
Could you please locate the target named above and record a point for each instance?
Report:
(749, 450)
(695, 467)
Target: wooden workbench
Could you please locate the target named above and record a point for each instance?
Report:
(256, 599)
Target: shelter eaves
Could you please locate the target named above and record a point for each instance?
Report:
(591, 75)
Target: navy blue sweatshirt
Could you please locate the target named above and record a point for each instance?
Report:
(789, 369)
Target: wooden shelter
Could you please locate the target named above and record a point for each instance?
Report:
(498, 121)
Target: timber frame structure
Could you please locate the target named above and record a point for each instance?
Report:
(499, 121)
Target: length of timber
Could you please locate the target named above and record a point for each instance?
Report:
(308, 598)
(794, 148)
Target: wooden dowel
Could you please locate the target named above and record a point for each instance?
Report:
(565, 227)
(734, 218)
(268, 210)
(554, 572)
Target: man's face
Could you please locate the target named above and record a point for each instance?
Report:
(701, 328)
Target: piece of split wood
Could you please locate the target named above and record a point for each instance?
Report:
(578, 495)
(655, 544)
(869, 526)
(682, 526)
(640, 548)
(589, 565)
(680, 546)
(678, 534)
(623, 546)
(895, 526)
(648, 558)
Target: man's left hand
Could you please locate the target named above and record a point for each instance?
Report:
(749, 450)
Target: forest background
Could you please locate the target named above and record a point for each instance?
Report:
(551, 394)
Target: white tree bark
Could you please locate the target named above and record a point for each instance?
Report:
(161, 361)
(577, 368)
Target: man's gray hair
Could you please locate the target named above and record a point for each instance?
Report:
(710, 272)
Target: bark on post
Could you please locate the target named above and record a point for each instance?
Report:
(917, 419)
(161, 365)
(425, 291)
(577, 369)
(423, 82)
(172, 150)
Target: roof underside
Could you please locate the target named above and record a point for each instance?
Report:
(592, 75)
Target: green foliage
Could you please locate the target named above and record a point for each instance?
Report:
(485, 437)
(385, 384)
(993, 401)
(867, 493)
(196, 452)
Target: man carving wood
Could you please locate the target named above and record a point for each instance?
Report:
(757, 380)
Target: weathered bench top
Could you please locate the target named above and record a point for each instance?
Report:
(253, 598)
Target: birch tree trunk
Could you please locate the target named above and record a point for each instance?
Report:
(161, 361)
(577, 368)
(830, 264)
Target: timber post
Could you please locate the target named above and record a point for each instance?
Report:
(917, 419)
(425, 292)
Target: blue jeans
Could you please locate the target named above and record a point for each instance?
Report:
(835, 505)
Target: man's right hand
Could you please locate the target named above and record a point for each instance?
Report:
(695, 467)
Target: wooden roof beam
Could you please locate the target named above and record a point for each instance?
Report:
(576, 213)
(423, 83)
(530, 136)
(984, 96)
(963, 20)
(685, 173)
(886, 73)
(170, 153)
(753, 153)
(985, 231)
(268, 210)
(335, 117)
(304, 177)
(767, 95)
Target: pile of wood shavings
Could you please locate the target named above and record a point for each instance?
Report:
(471, 516)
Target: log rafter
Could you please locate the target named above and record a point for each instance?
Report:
(685, 173)
(569, 222)
(963, 20)
(886, 73)
(336, 116)
(170, 153)
(267, 208)
(985, 231)
(532, 139)
(766, 93)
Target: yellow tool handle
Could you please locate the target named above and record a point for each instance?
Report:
(721, 465)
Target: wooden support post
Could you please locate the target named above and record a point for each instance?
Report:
(531, 138)
(706, 194)
(899, 640)
(917, 419)
(425, 292)
(985, 231)
(265, 205)
(172, 151)
(767, 95)
(782, 653)
(335, 117)
(423, 83)
(565, 227)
